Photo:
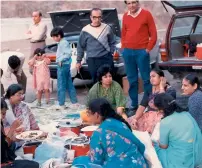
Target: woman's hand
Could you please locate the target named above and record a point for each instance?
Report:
(15, 125)
(35, 56)
(19, 130)
(121, 112)
(162, 84)
(133, 122)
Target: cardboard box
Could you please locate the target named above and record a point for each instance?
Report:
(126, 85)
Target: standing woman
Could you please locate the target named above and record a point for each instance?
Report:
(191, 86)
(180, 137)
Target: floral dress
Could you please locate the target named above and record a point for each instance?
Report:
(113, 144)
(151, 117)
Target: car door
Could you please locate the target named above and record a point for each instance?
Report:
(184, 26)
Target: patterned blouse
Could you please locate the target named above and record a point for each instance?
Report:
(23, 111)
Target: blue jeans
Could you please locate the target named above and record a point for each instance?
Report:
(134, 60)
(64, 83)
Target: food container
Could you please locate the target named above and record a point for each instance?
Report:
(65, 127)
(79, 144)
(88, 131)
(30, 147)
(199, 51)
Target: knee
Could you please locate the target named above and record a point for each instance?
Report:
(133, 81)
(40, 91)
(146, 81)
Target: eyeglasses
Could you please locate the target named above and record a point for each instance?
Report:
(97, 17)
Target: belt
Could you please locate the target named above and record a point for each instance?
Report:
(38, 41)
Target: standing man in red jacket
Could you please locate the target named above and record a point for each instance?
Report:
(138, 37)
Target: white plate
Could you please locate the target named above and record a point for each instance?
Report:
(27, 135)
(89, 128)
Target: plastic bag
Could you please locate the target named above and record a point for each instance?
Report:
(50, 149)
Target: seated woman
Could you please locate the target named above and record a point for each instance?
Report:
(108, 89)
(18, 109)
(191, 87)
(113, 143)
(147, 121)
(7, 153)
(180, 137)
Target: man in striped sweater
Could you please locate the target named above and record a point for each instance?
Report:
(98, 40)
(138, 37)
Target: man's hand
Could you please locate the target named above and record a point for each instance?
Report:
(147, 50)
(60, 64)
(29, 32)
(78, 67)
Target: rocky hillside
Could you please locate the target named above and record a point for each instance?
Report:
(22, 9)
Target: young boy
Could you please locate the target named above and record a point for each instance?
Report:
(63, 59)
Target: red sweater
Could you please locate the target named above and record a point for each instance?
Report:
(139, 32)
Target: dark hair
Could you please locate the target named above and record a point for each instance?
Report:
(104, 109)
(167, 103)
(14, 61)
(158, 71)
(13, 89)
(57, 31)
(4, 104)
(1, 71)
(39, 52)
(95, 9)
(40, 14)
(103, 70)
(126, 1)
(193, 80)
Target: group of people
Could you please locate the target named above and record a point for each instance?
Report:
(113, 143)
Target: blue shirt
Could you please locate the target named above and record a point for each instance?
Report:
(64, 52)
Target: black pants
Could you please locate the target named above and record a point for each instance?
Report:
(95, 63)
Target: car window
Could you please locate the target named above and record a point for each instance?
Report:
(199, 27)
(182, 26)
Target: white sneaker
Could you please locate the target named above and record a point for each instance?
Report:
(74, 106)
(57, 107)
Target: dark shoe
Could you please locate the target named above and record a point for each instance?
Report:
(130, 111)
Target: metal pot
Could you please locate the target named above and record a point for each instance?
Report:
(79, 144)
(64, 127)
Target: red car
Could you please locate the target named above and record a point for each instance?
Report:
(181, 53)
